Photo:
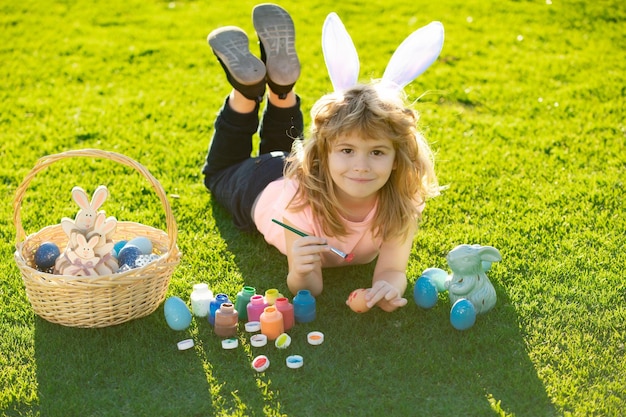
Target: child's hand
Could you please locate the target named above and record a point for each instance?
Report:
(305, 254)
(385, 295)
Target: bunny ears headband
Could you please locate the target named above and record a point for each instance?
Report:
(414, 55)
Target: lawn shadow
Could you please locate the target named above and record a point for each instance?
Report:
(410, 362)
(133, 368)
(484, 370)
(260, 264)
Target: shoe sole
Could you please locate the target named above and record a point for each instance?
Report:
(276, 32)
(231, 45)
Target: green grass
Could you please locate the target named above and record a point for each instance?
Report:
(525, 109)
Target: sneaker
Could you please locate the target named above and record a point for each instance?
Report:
(277, 38)
(245, 72)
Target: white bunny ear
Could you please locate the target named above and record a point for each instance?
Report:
(342, 60)
(414, 55)
(80, 238)
(80, 197)
(100, 220)
(99, 197)
(93, 241)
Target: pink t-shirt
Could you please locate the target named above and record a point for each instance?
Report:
(272, 204)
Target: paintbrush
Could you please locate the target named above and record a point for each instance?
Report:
(346, 256)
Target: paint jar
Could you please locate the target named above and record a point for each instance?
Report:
(271, 323)
(242, 300)
(271, 295)
(215, 305)
(304, 306)
(255, 307)
(286, 309)
(201, 298)
(226, 319)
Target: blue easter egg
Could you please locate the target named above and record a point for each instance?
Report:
(143, 243)
(118, 247)
(425, 292)
(486, 265)
(128, 255)
(463, 314)
(177, 314)
(46, 255)
(439, 277)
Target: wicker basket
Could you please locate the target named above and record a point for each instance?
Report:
(103, 300)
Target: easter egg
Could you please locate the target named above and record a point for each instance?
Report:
(177, 314)
(356, 301)
(143, 260)
(128, 255)
(438, 276)
(463, 314)
(143, 243)
(46, 255)
(425, 292)
(118, 247)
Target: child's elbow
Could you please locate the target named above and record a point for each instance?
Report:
(295, 287)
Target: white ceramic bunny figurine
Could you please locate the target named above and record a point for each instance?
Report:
(86, 216)
(82, 259)
(414, 55)
(469, 279)
(88, 226)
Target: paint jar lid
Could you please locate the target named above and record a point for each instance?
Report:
(253, 326)
(315, 338)
(294, 361)
(258, 340)
(283, 341)
(260, 363)
(185, 344)
(231, 343)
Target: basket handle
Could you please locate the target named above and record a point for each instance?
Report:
(44, 162)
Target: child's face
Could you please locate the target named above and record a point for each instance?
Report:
(360, 167)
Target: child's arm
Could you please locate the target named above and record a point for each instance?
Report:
(389, 281)
(305, 262)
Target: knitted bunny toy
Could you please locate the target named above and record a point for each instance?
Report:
(469, 279)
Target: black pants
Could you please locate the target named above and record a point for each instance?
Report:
(234, 178)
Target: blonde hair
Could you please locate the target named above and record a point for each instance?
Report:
(370, 111)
